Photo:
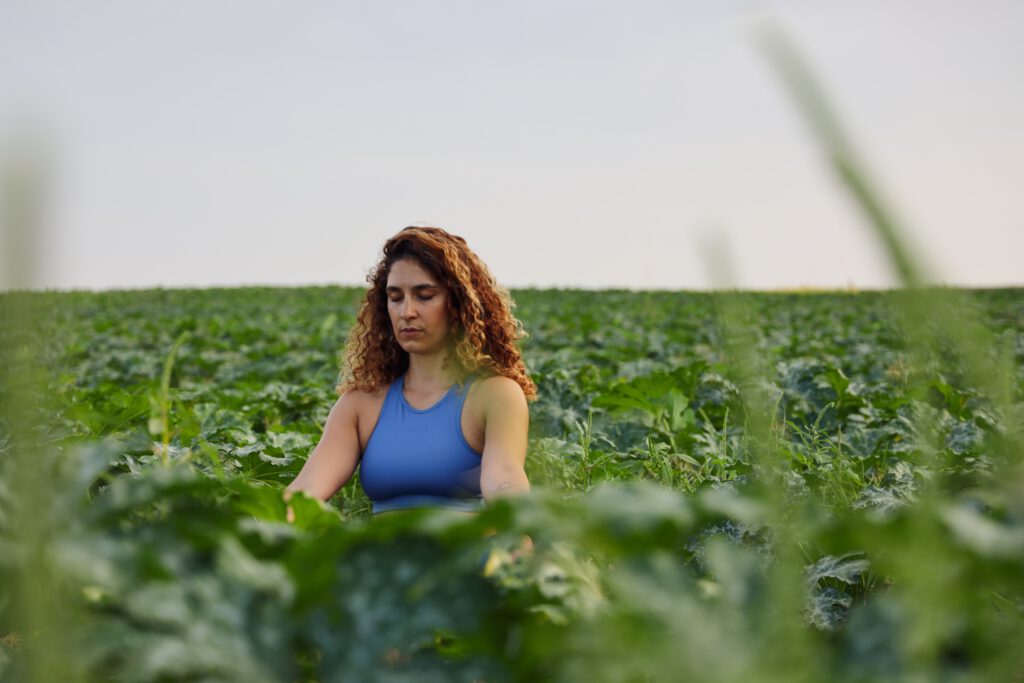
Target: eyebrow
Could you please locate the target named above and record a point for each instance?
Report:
(415, 288)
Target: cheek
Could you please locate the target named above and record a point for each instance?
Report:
(444, 315)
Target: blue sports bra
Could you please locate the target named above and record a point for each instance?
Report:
(420, 458)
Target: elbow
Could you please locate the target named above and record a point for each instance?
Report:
(507, 484)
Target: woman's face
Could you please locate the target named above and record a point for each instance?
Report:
(418, 308)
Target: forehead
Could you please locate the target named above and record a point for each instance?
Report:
(408, 274)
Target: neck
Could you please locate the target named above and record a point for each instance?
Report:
(426, 373)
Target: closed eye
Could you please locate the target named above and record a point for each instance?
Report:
(426, 297)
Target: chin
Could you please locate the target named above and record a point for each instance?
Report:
(411, 346)
(418, 347)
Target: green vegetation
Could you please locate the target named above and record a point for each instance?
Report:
(872, 530)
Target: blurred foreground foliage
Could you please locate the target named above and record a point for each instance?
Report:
(728, 487)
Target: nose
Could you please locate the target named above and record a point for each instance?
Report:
(408, 309)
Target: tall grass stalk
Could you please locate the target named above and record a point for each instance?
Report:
(791, 659)
(926, 307)
(918, 556)
(164, 398)
(34, 616)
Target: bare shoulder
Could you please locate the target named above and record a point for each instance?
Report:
(500, 393)
(356, 403)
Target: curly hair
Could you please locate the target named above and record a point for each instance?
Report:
(484, 331)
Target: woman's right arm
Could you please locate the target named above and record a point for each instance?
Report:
(334, 460)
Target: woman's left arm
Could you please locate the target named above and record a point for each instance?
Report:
(506, 424)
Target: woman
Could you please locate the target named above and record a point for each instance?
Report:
(433, 403)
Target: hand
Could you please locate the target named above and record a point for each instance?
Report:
(524, 549)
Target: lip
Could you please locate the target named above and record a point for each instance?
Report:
(409, 330)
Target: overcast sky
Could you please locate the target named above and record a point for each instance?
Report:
(571, 142)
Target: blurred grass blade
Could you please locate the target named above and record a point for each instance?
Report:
(933, 317)
(783, 55)
(32, 603)
(930, 312)
(21, 212)
(751, 371)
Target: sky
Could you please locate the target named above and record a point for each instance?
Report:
(573, 143)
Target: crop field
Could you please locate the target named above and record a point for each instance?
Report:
(726, 487)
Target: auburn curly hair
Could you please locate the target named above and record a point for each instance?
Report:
(484, 331)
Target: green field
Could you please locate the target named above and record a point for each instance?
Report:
(727, 487)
